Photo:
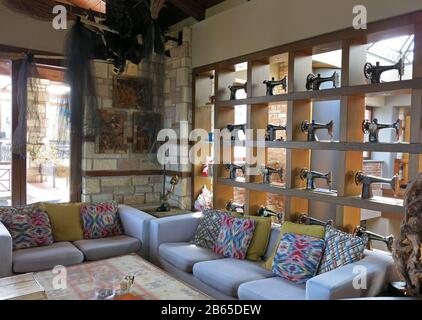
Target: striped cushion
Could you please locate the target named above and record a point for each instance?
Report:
(340, 249)
(298, 257)
(235, 237)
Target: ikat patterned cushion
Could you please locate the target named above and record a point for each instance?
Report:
(30, 227)
(340, 249)
(208, 229)
(235, 237)
(298, 257)
(101, 220)
(6, 216)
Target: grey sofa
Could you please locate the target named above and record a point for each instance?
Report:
(135, 239)
(224, 278)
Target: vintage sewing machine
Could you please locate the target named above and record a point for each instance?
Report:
(236, 87)
(272, 84)
(265, 212)
(235, 207)
(311, 128)
(305, 219)
(373, 128)
(233, 168)
(314, 82)
(310, 177)
(374, 73)
(272, 132)
(371, 236)
(268, 171)
(236, 128)
(367, 180)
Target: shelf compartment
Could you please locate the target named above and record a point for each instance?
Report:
(377, 203)
(414, 148)
(386, 88)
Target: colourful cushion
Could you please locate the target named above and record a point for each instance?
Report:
(6, 216)
(298, 257)
(290, 227)
(101, 220)
(208, 229)
(340, 249)
(30, 227)
(260, 239)
(65, 220)
(235, 237)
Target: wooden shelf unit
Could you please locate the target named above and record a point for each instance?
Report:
(297, 58)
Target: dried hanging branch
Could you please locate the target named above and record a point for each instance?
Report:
(407, 249)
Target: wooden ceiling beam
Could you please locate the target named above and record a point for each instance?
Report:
(190, 7)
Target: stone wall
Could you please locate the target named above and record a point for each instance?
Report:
(172, 97)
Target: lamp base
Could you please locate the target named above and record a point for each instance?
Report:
(164, 207)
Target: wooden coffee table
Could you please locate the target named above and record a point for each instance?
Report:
(151, 283)
(21, 287)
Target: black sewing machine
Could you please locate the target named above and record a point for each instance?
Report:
(237, 127)
(311, 128)
(305, 219)
(265, 212)
(268, 171)
(367, 180)
(374, 73)
(272, 132)
(314, 82)
(373, 127)
(235, 87)
(369, 236)
(235, 207)
(310, 177)
(272, 84)
(232, 168)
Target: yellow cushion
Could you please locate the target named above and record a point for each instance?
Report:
(290, 227)
(260, 239)
(65, 221)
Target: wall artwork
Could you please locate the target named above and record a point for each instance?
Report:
(145, 130)
(132, 93)
(112, 137)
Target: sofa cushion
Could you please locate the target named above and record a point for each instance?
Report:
(97, 249)
(31, 227)
(101, 220)
(6, 216)
(340, 249)
(272, 289)
(260, 238)
(65, 220)
(235, 237)
(45, 258)
(208, 228)
(290, 227)
(184, 255)
(298, 257)
(226, 275)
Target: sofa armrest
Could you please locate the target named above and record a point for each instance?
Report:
(136, 224)
(6, 254)
(172, 229)
(365, 278)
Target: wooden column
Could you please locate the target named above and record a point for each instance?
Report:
(18, 175)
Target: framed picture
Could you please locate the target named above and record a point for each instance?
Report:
(145, 130)
(112, 137)
(132, 93)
